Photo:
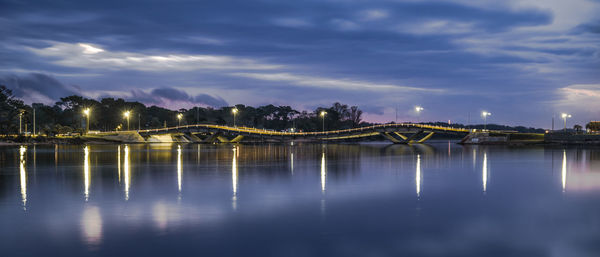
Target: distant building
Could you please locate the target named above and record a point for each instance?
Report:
(593, 127)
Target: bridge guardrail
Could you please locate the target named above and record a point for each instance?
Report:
(316, 133)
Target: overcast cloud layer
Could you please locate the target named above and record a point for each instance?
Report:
(523, 61)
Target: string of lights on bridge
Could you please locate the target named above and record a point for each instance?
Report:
(418, 109)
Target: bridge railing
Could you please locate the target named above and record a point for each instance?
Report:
(316, 133)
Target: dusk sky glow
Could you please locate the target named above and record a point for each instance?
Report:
(524, 61)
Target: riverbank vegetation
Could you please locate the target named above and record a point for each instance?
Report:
(67, 116)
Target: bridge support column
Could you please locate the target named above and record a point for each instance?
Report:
(400, 135)
(390, 137)
(237, 139)
(223, 139)
(407, 140)
(426, 137)
(411, 140)
(211, 138)
(191, 137)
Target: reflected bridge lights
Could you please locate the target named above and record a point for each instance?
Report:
(86, 172)
(292, 162)
(179, 169)
(126, 171)
(484, 171)
(418, 176)
(563, 173)
(23, 175)
(234, 176)
(323, 172)
(119, 163)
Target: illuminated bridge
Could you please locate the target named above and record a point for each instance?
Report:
(399, 133)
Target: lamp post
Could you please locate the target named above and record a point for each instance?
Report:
(234, 111)
(20, 122)
(418, 109)
(87, 113)
(127, 114)
(323, 113)
(179, 117)
(33, 106)
(565, 116)
(485, 115)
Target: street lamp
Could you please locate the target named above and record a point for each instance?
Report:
(323, 113)
(179, 117)
(234, 111)
(485, 115)
(419, 109)
(127, 114)
(565, 116)
(87, 113)
(20, 121)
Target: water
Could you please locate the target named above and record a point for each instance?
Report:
(440, 199)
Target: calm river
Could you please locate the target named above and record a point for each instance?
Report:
(440, 199)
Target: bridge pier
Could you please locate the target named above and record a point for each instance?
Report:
(405, 139)
(426, 137)
(237, 139)
(211, 138)
(390, 137)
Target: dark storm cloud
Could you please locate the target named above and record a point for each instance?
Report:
(173, 94)
(210, 100)
(36, 83)
(165, 96)
(589, 27)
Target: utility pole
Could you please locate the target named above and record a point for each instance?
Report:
(33, 119)
(20, 122)
(139, 122)
(469, 118)
(552, 122)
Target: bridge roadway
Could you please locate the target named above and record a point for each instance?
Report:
(400, 133)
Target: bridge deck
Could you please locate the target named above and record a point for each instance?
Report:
(264, 132)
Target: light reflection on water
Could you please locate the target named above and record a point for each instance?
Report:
(126, 172)
(234, 178)
(23, 175)
(418, 175)
(366, 192)
(484, 172)
(564, 171)
(86, 172)
(91, 224)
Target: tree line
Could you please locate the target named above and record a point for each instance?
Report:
(107, 114)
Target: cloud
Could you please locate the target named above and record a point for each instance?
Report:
(89, 56)
(374, 14)
(335, 83)
(174, 98)
(292, 22)
(377, 110)
(37, 87)
(589, 27)
(438, 27)
(580, 97)
(344, 25)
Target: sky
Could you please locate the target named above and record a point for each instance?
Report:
(523, 61)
